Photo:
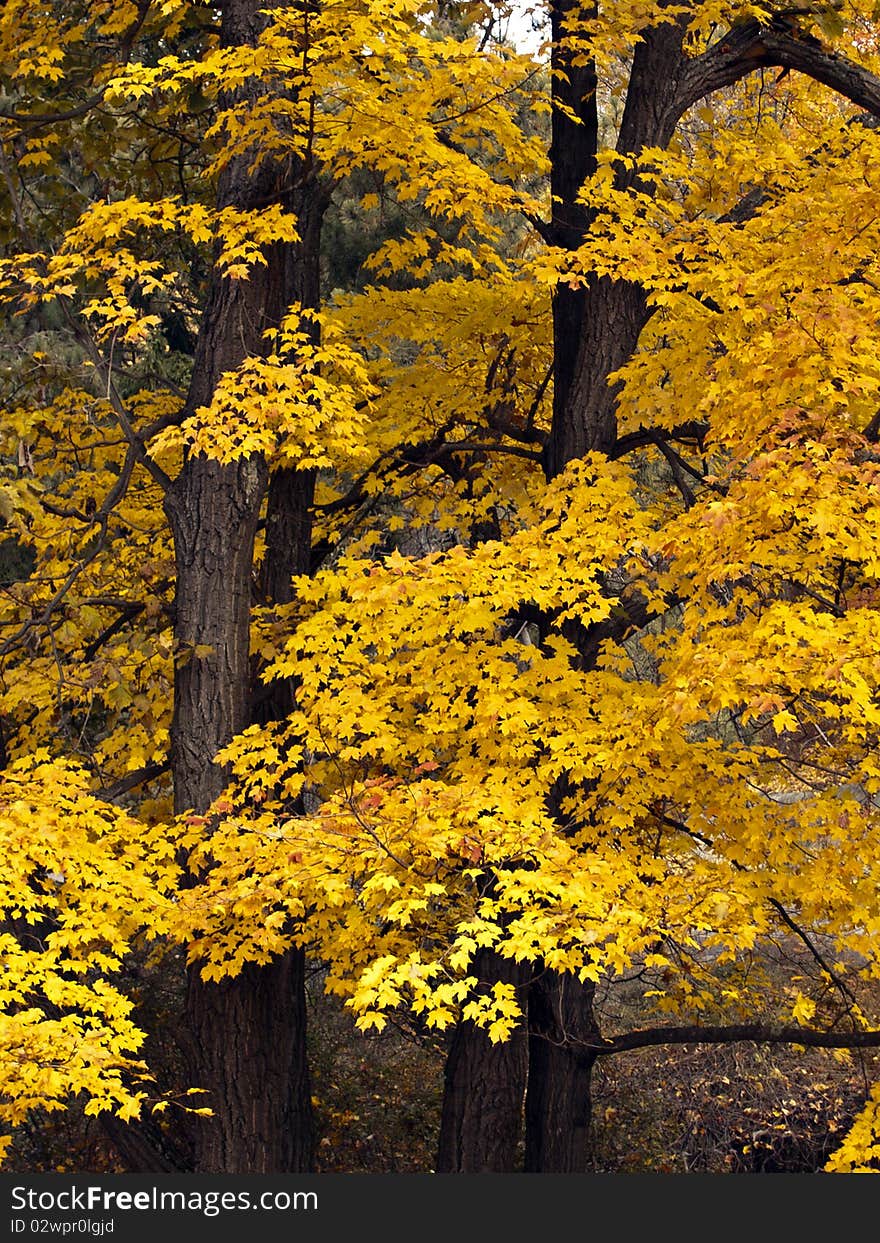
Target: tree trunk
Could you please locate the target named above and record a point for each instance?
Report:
(276, 993)
(213, 511)
(614, 314)
(484, 1087)
(574, 142)
(252, 1031)
(245, 1036)
(595, 331)
(558, 1103)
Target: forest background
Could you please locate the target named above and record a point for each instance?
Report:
(439, 586)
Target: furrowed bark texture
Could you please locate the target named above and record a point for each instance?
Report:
(558, 1104)
(574, 139)
(214, 511)
(484, 1085)
(246, 1035)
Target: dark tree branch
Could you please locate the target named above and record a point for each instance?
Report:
(750, 46)
(127, 613)
(802, 935)
(36, 119)
(132, 780)
(691, 431)
(470, 446)
(498, 413)
(757, 1033)
(538, 398)
(105, 371)
(675, 465)
(837, 609)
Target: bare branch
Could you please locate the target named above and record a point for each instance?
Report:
(471, 446)
(734, 1033)
(132, 780)
(751, 46)
(675, 465)
(690, 431)
(127, 613)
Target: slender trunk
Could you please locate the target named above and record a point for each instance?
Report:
(278, 1018)
(596, 330)
(484, 1087)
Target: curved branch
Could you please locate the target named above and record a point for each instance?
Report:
(132, 780)
(127, 612)
(692, 430)
(36, 119)
(750, 46)
(756, 1033)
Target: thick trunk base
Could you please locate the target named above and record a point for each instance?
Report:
(481, 1120)
(248, 1051)
(558, 1103)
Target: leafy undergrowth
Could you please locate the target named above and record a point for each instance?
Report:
(62, 1143)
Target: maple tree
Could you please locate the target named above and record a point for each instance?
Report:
(618, 712)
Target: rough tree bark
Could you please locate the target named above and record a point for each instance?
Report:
(562, 1035)
(245, 1036)
(484, 1086)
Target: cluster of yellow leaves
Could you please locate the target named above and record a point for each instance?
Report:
(303, 405)
(81, 886)
(37, 45)
(455, 776)
(777, 333)
(368, 83)
(444, 369)
(860, 1151)
(108, 248)
(432, 730)
(97, 675)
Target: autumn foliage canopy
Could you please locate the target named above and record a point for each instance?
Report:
(499, 615)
